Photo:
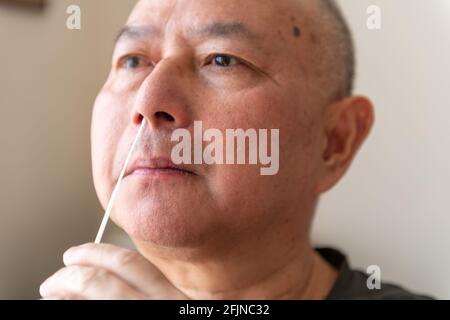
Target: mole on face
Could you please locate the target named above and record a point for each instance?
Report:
(296, 31)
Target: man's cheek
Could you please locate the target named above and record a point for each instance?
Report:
(100, 170)
(104, 139)
(234, 185)
(260, 108)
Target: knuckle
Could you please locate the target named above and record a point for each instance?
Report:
(126, 257)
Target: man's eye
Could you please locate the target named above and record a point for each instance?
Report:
(132, 62)
(223, 60)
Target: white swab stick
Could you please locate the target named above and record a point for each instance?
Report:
(105, 220)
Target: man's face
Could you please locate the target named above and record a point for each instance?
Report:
(230, 64)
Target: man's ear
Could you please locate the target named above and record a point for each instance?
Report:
(347, 124)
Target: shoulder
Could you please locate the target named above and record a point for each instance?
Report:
(352, 284)
(355, 288)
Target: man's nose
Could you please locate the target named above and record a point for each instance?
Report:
(163, 97)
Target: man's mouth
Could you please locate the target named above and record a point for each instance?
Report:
(156, 167)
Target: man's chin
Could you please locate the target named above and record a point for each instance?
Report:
(167, 227)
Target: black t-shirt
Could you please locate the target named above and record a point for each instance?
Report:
(352, 284)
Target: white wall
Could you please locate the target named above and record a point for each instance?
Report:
(393, 207)
(390, 210)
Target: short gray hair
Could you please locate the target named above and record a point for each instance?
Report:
(335, 60)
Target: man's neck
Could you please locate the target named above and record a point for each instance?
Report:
(298, 274)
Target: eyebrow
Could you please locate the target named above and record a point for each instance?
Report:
(232, 29)
(135, 32)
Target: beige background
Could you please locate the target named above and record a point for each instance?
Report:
(391, 210)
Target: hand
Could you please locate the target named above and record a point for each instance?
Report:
(102, 271)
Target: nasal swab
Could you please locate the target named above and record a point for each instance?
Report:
(107, 214)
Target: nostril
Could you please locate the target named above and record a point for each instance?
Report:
(164, 115)
(140, 118)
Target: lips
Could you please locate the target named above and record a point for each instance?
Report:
(149, 166)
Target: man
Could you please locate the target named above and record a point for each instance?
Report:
(223, 231)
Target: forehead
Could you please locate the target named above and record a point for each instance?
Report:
(263, 16)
